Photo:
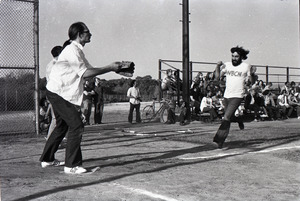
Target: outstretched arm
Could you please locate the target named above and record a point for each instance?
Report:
(92, 72)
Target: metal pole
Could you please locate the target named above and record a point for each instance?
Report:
(185, 55)
(287, 74)
(159, 80)
(36, 63)
(267, 74)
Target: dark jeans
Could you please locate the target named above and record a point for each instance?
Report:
(230, 106)
(212, 112)
(67, 119)
(137, 110)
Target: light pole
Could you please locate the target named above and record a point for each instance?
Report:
(185, 55)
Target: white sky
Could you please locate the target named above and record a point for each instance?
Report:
(144, 31)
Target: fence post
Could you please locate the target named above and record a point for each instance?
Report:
(267, 74)
(159, 79)
(287, 74)
(36, 64)
(191, 73)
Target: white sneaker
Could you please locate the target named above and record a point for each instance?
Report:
(74, 170)
(53, 163)
(299, 117)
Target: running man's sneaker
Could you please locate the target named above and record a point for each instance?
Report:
(53, 163)
(74, 170)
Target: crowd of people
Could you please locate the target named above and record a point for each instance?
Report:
(261, 101)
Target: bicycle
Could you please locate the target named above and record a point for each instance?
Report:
(149, 113)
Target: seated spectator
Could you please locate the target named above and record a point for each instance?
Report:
(298, 88)
(293, 86)
(207, 106)
(196, 95)
(182, 113)
(286, 87)
(270, 105)
(294, 104)
(45, 114)
(252, 103)
(218, 102)
(283, 105)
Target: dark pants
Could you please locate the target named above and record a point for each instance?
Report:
(212, 112)
(67, 119)
(98, 113)
(230, 106)
(137, 110)
(255, 108)
(273, 112)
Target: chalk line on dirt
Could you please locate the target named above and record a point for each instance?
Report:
(240, 152)
(145, 192)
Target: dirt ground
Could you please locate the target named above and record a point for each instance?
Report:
(153, 161)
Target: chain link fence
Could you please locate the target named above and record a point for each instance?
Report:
(17, 66)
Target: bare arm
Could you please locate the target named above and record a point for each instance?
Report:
(92, 72)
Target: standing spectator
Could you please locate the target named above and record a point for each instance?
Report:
(86, 106)
(207, 106)
(134, 96)
(65, 92)
(98, 101)
(237, 74)
(55, 53)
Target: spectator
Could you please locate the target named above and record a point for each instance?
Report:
(196, 81)
(252, 103)
(294, 104)
(298, 88)
(45, 114)
(98, 101)
(270, 105)
(283, 105)
(218, 102)
(134, 96)
(286, 87)
(168, 85)
(87, 100)
(55, 51)
(207, 106)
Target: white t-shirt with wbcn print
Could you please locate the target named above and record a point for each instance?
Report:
(235, 79)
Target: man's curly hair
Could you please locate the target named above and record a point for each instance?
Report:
(241, 51)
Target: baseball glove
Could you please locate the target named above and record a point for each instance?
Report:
(127, 69)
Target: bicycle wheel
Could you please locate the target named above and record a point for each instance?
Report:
(147, 113)
(164, 115)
